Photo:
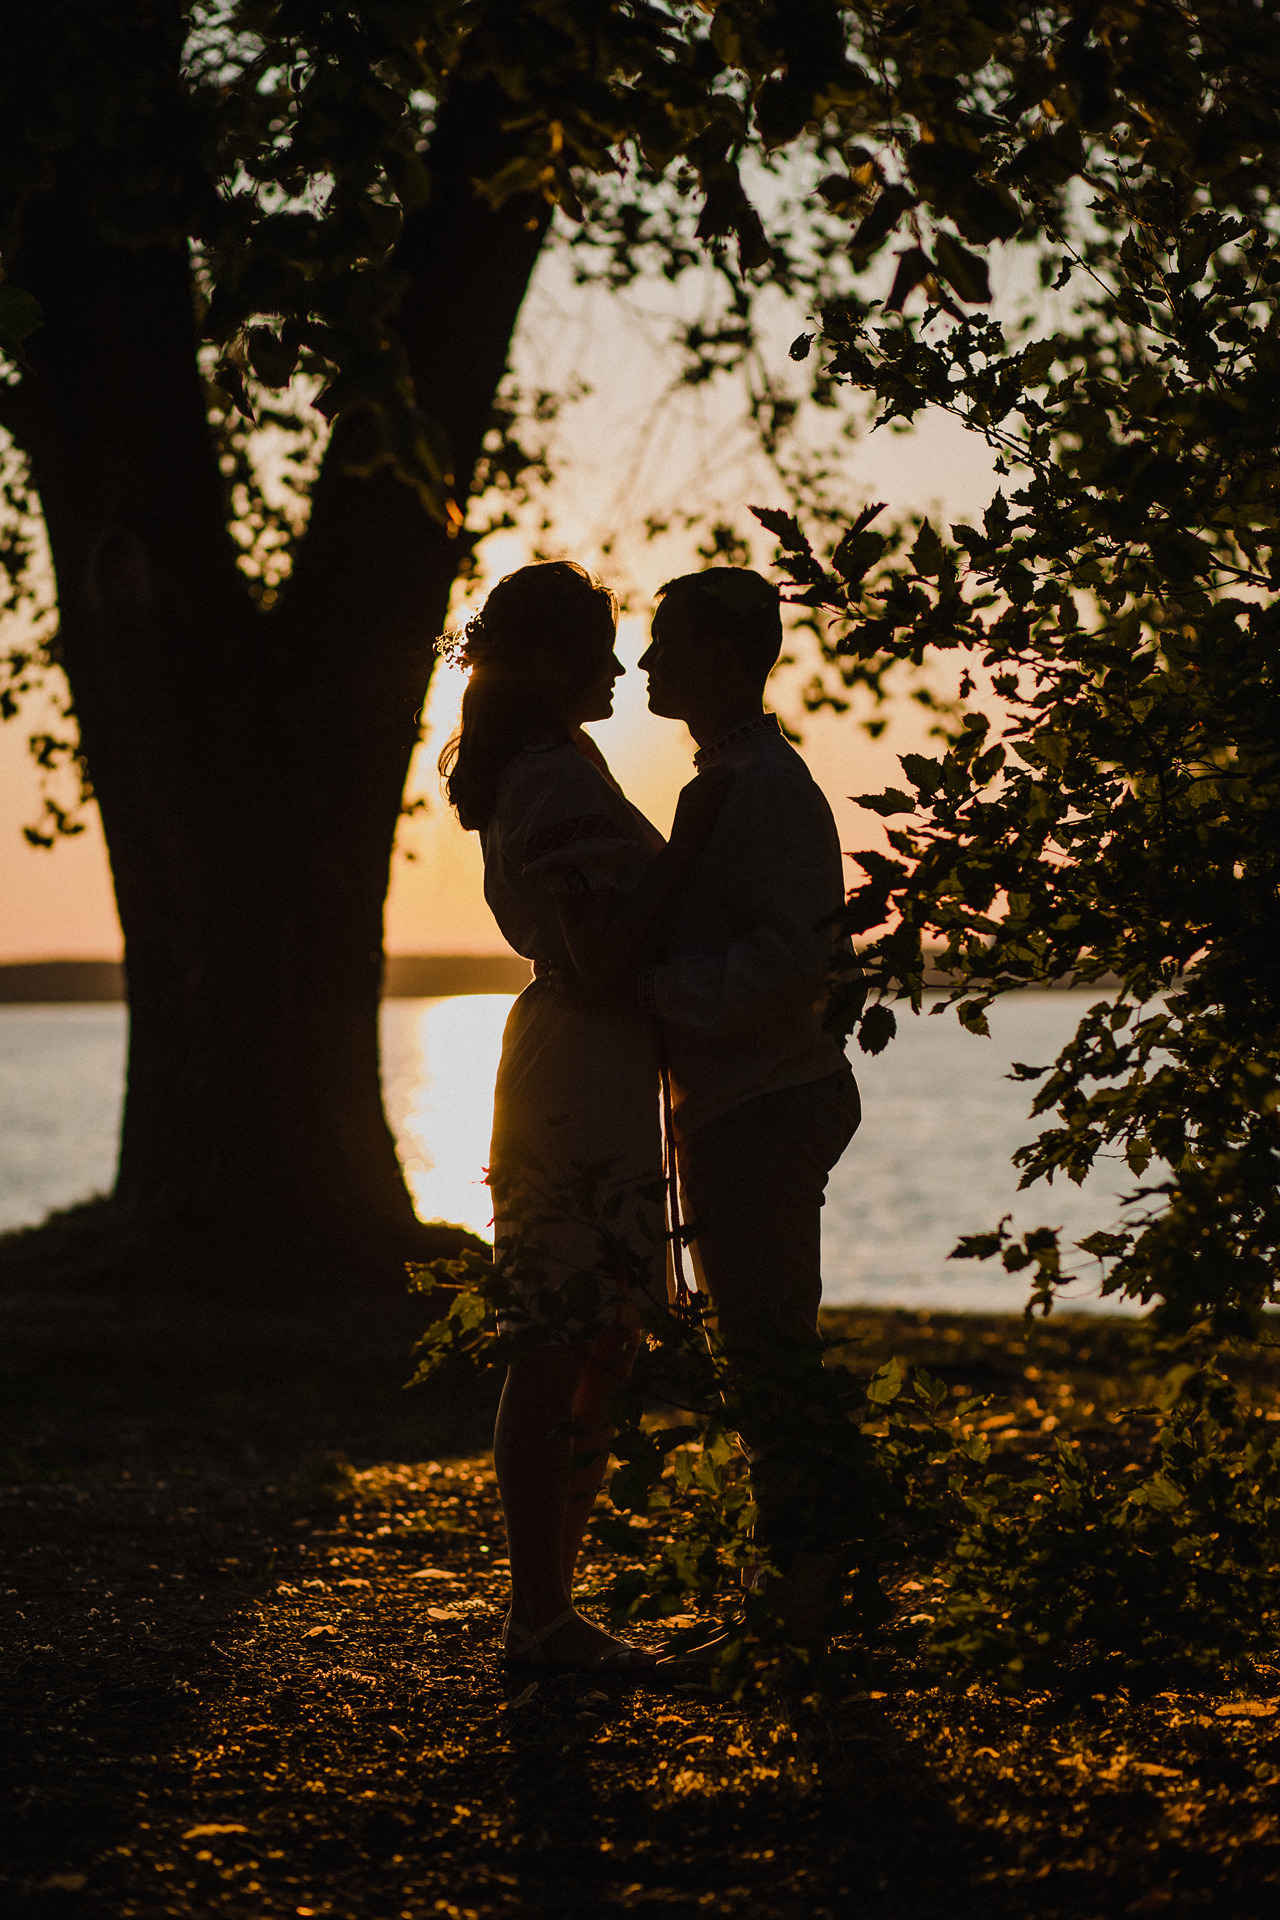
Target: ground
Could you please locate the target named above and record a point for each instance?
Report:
(250, 1600)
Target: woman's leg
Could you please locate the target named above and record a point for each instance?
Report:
(606, 1364)
(533, 1458)
(548, 1391)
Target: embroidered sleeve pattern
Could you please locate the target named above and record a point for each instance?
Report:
(568, 833)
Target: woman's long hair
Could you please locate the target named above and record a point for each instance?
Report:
(554, 604)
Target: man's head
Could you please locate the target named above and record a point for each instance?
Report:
(716, 638)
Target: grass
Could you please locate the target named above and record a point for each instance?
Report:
(250, 1601)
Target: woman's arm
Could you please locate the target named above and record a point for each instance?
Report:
(611, 935)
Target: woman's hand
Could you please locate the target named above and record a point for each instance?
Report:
(699, 807)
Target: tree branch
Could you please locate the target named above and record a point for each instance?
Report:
(372, 561)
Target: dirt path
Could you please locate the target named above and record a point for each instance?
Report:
(239, 1684)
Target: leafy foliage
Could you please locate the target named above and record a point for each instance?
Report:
(300, 152)
(295, 144)
(1106, 807)
(1176, 1573)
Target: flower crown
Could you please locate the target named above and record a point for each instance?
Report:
(463, 646)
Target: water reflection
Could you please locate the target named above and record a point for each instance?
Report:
(930, 1163)
(61, 1092)
(933, 1160)
(439, 1063)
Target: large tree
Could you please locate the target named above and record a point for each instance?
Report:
(198, 204)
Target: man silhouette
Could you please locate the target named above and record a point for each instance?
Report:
(764, 1100)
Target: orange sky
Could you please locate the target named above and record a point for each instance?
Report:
(636, 446)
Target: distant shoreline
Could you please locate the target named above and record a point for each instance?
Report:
(408, 976)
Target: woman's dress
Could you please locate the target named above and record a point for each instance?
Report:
(575, 1165)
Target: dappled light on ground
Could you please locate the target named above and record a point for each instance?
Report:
(248, 1675)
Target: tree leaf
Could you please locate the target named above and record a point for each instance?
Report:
(884, 1389)
(891, 801)
(230, 378)
(273, 361)
(880, 222)
(876, 1028)
(965, 271)
(913, 266)
(928, 555)
(857, 553)
(784, 526)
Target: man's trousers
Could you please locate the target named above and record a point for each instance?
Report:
(753, 1184)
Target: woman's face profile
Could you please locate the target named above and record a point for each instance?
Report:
(581, 682)
(596, 702)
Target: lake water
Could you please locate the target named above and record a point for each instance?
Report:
(932, 1159)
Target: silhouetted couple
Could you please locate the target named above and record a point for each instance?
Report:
(713, 948)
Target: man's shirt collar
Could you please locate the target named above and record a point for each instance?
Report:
(767, 723)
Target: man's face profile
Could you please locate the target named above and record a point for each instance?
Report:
(679, 659)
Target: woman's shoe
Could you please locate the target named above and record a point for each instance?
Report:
(524, 1647)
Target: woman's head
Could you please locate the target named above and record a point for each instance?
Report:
(541, 660)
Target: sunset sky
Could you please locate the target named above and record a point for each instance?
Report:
(638, 445)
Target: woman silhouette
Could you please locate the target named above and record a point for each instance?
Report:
(580, 883)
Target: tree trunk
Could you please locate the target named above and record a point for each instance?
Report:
(249, 767)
